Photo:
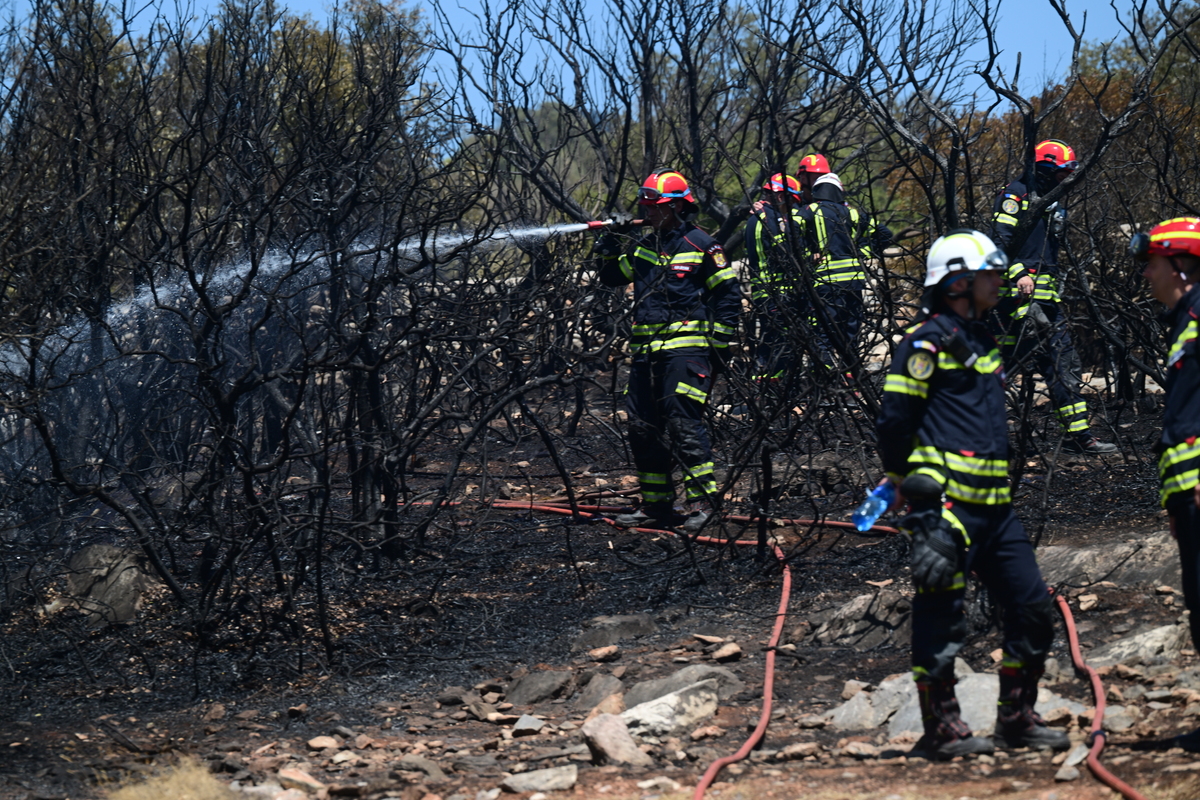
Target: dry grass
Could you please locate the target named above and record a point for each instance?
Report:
(186, 780)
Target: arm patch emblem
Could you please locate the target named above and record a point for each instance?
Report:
(1010, 206)
(718, 256)
(920, 365)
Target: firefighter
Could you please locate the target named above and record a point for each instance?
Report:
(686, 301)
(943, 440)
(837, 240)
(771, 232)
(1028, 316)
(1171, 253)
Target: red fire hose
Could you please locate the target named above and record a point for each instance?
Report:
(1096, 738)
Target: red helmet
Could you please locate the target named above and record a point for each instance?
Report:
(663, 187)
(1054, 154)
(815, 163)
(782, 183)
(1175, 237)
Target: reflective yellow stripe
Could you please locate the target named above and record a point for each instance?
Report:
(691, 391)
(718, 278)
(968, 479)
(1004, 219)
(666, 328)
(1179, 469)
(902, 384)
(1188, 334)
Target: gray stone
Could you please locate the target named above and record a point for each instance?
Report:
(106, 583)
(1077, 755)
(1066, 773)
(608, 738)
(674, 712)
(538, 686)
(433, 773)
(977, 696)
(1120, 718)
(1150, 561)
(527, 726)
(554, 779)
(603, 631)
(476, 765)
(599, 687)
(728, 684)
(868, 621)
(1165, 641)
(455, 696)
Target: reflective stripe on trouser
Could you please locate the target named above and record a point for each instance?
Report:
(1179, 469)
(1033, 348)
(1074, 417)
(665, 399)
(964, 478)
(1001, 555)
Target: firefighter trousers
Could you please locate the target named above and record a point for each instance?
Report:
(665, 399)
(1001, 556)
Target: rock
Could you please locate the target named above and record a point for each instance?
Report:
(292, 778)
(215, 712)
(411, 763)
(323, 743)
(610, 653)
(555, 779)
(286, 794)
(538, 686)
(866, 710)
(727, 652)
(1088, 601)
(868, 621)
(454, 696)
(1151, 561)
(1066, 773)
(608, 738)
(662, 783)
(1166, 641)
(853, 687)
(1076, 756)
(106, 583)
(674, 712)
(597, 689)
(1120, 718)
(977, 695)
(527, 726)
(604, 631)
(476, 765)
(728, 683)
(797, 751)
(860, 750)
(613, 704)
(707, 732)
(480, 710)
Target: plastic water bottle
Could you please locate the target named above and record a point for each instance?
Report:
(877, 502)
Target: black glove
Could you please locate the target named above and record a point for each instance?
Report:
(936, 554)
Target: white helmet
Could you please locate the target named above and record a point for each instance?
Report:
(962, 250)
(829, 177)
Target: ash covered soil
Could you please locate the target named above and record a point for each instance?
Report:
(497, 594)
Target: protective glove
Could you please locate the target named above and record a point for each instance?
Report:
(623, 222)
(936, 554)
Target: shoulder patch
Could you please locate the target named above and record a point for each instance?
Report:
(718, 255)
(1010, 206)
(925, 344)
(920, 365)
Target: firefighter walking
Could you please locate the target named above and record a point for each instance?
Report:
(686, 302)
(943, 440)
(1031, 324)
(773, 245)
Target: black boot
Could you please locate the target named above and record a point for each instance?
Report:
(946, 735)
(1017, 724)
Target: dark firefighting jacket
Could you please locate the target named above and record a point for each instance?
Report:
(686, 297)
(1179, 464)
(838, 236)
(1038, 257)
(943, 411)
(770, 258)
